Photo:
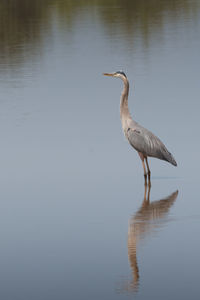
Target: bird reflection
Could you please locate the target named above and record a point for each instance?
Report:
(150, 217)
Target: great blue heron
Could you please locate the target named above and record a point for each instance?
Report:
(144, 141)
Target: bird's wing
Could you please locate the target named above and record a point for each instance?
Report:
(141, 141)
(147, 143)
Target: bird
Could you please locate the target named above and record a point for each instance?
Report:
(140, 138)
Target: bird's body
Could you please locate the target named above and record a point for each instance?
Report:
(140, 138)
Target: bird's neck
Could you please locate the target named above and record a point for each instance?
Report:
(124, 111)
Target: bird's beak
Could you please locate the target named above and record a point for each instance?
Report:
(108, 74)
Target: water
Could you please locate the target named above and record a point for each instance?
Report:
(75, 218)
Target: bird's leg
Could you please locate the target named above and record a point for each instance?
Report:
(145, 192)
(149, 189)
(149, 172)
(145, 172)
(143, 164)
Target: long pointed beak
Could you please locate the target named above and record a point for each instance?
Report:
(108, 74)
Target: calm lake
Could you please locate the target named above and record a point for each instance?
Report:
(76, 221)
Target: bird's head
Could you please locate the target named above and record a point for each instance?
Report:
(119, 74)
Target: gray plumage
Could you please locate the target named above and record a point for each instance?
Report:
(140, 138)
(148, 144)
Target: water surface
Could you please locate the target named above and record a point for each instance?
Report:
(76, 220)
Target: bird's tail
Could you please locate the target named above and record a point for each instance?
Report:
(173, 162)
(169, 157)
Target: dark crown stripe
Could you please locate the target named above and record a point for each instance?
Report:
(121, 72)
